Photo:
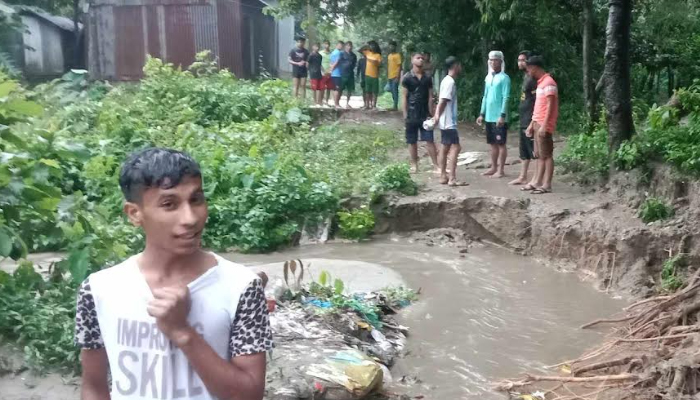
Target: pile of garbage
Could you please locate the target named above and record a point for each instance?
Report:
(333, 345)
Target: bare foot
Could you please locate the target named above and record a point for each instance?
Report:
(498, 175)
(489, 172)
(436, 170)
(443, 180)
(414, 169)
(518, 181)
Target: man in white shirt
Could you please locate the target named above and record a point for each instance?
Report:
(175, 321)
(446, 118)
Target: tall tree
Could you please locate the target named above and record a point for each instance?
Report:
(589, 93)
(618, 95)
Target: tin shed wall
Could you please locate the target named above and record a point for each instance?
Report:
(122, 33)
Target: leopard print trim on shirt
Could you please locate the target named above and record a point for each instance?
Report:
(87, 328)
(250, 331)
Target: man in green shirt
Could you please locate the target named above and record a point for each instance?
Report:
(494, 110)
(326, 81)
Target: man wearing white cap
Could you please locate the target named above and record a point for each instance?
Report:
(494, 110)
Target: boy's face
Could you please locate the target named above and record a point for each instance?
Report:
(348, 48)
(314, 48)
(172, 219)
(326, 46)
(301, 44)
(339, 46)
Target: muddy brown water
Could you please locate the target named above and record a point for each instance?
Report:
(482, 316)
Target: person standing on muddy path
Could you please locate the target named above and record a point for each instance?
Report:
(417, 107)
(316, 74)
(494, 110)
(336, 75)
(544, 123)
(446, 118)
(348, 61)
(361, 66)
(394, 73)
(527, 104)
(374, 61)
(174, 321)
(326, 82)
(298, 57)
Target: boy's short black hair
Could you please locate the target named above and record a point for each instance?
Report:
(348, 43)
(535, 61)
(451, 62)
(341, 42)
(327, 42)
(526, 53)
(155, 167)
(300, 39)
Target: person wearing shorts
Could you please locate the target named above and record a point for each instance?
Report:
(361, 66)
(299, 57)
(336, 75)
(494, 109)
(326, 82)
(417, 105)
(527, 144)
(446, 118)
(348, 61)
(374, 60)
(316, 74)
(544, 123)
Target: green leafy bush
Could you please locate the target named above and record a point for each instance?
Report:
(396, 178)
(586, 155)
(267, 172)
(654, 209)
(356, 224)
(670, 280)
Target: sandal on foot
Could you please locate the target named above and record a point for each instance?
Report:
(527, 188)
(541, 191)
(457, 183)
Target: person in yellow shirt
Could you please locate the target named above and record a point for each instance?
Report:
(394, 73)
(374, 60)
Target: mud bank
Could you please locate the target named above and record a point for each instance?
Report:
(597, 234)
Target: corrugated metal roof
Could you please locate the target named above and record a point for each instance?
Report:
(60, 22)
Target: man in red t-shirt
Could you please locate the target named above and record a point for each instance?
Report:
(544, 123)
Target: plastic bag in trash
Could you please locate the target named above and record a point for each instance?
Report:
(351, 369)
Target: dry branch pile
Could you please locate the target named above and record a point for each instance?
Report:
(654, 353)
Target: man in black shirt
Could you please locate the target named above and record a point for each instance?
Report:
(299, 57)
(347, 63)
(417, 107)
(527, 105)
(316, 75)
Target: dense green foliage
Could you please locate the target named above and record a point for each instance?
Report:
(356, 224)
(267, 174)
(663, 138)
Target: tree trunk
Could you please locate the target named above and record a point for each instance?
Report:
(618, 97)
(669, 71)
(588, 83)
(77, 56)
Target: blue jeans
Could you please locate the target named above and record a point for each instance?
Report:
(394, 89)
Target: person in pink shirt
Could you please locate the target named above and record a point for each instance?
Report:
(544, 123)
